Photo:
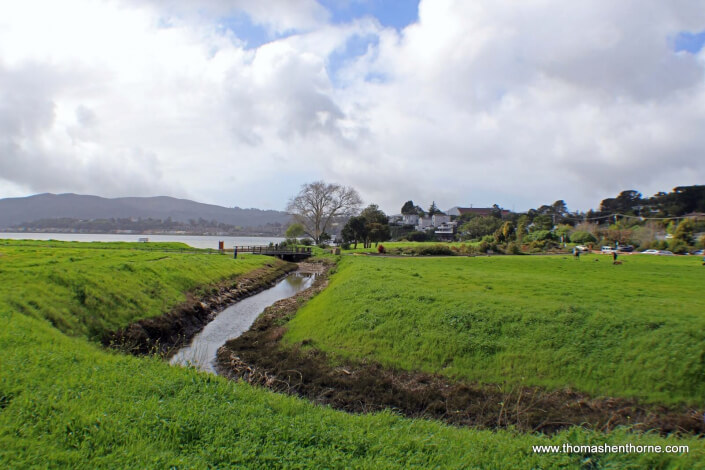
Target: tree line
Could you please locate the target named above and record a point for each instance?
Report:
(627, 218)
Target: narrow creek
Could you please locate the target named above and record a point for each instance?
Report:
(235, 320)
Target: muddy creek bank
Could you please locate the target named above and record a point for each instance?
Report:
(258, 357)
(166, 333)
(235, 320)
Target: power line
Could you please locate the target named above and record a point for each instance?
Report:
(624, 216)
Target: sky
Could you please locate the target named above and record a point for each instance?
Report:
(239, 103)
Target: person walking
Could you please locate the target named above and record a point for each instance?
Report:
(614, 256)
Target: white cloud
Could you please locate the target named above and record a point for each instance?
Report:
(518, 103)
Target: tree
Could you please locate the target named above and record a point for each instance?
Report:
(562, 231)
(434, 210)
(319, 202)
(496, 211)
(378, 233)
(408, 208)
(542, 222)
(295, 231)
(355, 230)
(685, 231)
(376, 225)
(478, 227)
(582, 237)
(522, 225)
(560, 207)
(504, 233)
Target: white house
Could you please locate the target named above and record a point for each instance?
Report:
(410, 219)
(445, 231)
(425, 223)
(396, 219)
(439, 219)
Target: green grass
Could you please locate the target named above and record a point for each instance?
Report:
(404, 245)
(634, 330)
(88, 290)
(67, 403)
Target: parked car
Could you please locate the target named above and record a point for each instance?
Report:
(607, 249)
(650, 252)
(699, 252)
(626, 248)
(582, 249)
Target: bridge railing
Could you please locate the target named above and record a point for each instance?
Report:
(273, 250)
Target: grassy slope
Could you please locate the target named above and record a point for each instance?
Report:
(98, 287)
(632, 330)
(65, 402)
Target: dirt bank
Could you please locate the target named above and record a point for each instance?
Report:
(166, 333)
(258, 358)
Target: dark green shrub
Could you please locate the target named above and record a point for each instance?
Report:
(417, 236)
(513, 249)
(541, 235)
(660, 245)
(537, 246)
(678, 246)
(306, 241)
(435, 250)
(582, 237)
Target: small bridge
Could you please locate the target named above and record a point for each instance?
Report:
(284, 252)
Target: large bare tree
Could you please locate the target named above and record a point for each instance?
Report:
(319, 202)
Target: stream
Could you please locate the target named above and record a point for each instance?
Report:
(235, 320)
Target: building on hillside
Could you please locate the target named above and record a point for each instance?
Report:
(425, 223)
(445, 231)
(396, 219)
(410, 219)
(438, 219)
(480, 211)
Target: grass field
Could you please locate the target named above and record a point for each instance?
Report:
(632, 330)
(403, 245)
(89, 288)
(67, 403)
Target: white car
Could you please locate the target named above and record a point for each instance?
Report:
(658, 252)
(607, 249)
(582, 249)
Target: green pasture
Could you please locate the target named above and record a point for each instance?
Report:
(65, 402)
(631, 330)
(90, 288)
(403, 245)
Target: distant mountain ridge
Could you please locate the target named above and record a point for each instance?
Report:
(16, 211)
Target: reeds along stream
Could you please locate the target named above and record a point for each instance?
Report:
(235, 320)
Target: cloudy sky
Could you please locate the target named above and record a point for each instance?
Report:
(236, 102)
